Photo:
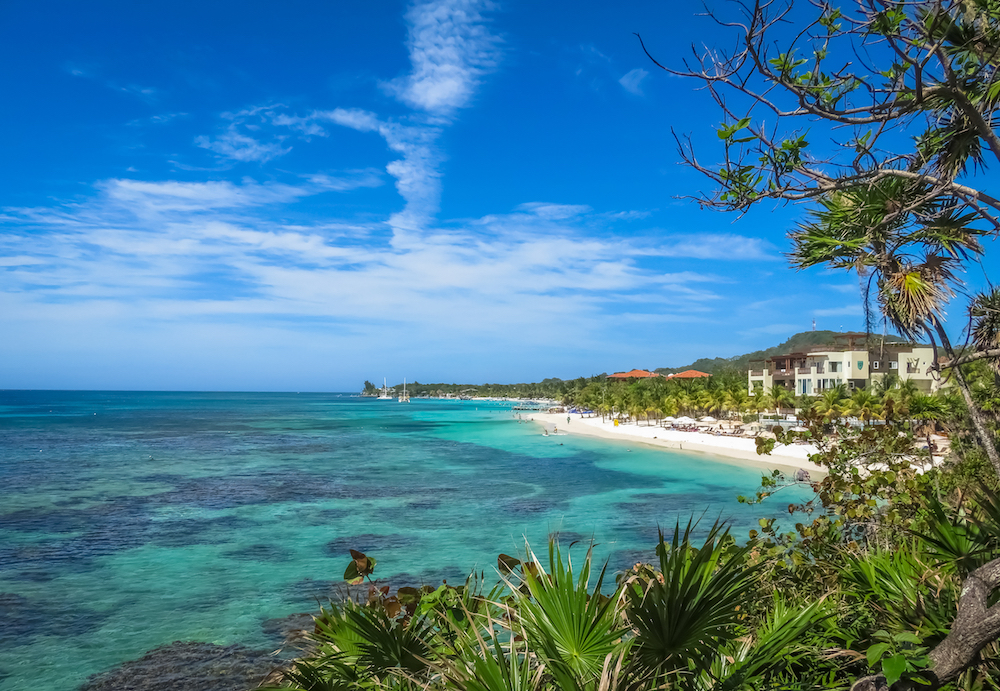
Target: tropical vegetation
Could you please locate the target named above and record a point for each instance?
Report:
(888, 576)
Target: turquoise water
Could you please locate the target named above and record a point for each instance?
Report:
(130, 520)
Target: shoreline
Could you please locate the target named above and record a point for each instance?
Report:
(739, 450)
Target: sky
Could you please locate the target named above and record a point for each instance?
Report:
(300, 196)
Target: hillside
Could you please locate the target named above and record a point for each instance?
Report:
(798, 342)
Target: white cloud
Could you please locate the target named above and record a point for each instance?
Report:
(176, 251)
(144, 197)
(236, 146)
(554, 212)
(716, 246)
(304, 125)
(450, 50)
(845, 311)
(417, 177)
(251, 135)
(355, 118)
(632, 81)
(845, 288)
(774, 330)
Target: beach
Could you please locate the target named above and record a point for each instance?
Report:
(740, 449)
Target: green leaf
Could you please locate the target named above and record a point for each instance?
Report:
(906, 637)
(874, 653)
(893, 668)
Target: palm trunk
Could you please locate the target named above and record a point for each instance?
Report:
(978, 421)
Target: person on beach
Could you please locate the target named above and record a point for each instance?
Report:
(567, 419)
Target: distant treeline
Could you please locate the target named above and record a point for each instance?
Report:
(565, 390)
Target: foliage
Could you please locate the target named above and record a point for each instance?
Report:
(711, 616)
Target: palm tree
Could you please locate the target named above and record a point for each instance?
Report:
(830, 405)
(738, 400)
(864, 405)
(985, 332)
(779, 397)
(706, 401)
(669, 405)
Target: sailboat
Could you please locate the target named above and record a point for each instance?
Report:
(384, 393)
(404, 397)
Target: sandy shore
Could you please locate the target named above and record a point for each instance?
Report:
(741, 449)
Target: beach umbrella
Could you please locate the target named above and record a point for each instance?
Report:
(670, 418)
(684, 419)
(708, 418)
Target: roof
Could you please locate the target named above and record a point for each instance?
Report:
(634, 374)
(688, 374)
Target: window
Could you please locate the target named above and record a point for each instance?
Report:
(894, 365)
(874, 364)
(834, 366)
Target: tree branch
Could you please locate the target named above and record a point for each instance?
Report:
(980, 355)
(975, 627)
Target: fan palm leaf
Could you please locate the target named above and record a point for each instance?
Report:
(680, 621)
(573, 631)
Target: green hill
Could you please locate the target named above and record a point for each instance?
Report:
(796, 343)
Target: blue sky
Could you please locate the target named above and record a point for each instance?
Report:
(304, 195)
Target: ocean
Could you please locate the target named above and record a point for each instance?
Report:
(129, 520)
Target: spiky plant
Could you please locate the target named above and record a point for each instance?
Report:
(573, 631)
(693, 607)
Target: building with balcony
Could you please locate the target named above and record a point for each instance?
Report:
(848, 361)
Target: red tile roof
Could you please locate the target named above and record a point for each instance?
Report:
(688, 374)
(634, 374)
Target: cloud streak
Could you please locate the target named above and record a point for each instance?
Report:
(450, 49)
(176, 252)
(632, 81)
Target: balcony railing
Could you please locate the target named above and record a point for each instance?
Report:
(756, 373)
(804, 370)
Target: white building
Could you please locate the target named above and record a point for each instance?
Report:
(847, 362)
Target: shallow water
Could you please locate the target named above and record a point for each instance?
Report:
(129, 520)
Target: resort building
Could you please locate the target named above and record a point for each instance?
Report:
(688, 374)
(643, 374)
(634, 374)
(848, 361)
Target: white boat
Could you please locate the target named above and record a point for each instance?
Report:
(404, 397)
(384, 394)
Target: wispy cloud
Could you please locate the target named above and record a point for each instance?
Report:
(243, 139)
(161, 119)
(774, 330)
(145, 93)
(719, 246)
(237, 146)
(845, 311)
(451, 49)
(846, 288)
(418, 179)
(174, 250)
(632, 81)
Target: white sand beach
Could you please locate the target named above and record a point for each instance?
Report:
(741, 449)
